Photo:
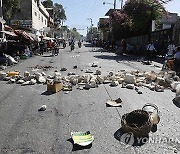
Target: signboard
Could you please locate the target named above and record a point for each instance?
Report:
(21, 23)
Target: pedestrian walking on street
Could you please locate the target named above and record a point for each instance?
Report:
(150, 51)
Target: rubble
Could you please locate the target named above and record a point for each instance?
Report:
(98, 72)
(75, 66)
(63, 69)
(114, 103)
(130, 86)
(26, 74)
(2, 75)
(94, 65)
(44, 68)
(42, 108)
(20, 81)
(127, 79)
(3, 67)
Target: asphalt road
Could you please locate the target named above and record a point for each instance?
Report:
(24, 130)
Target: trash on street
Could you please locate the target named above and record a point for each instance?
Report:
(82, 138)
(114, 103)
(42, 108)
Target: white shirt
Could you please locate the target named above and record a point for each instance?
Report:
(150, 47)
(171, 48)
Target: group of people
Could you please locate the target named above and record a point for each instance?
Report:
(50, 45)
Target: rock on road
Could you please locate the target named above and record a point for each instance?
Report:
(25, 130)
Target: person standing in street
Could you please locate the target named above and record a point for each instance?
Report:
(177, 60)
(41, 46)
(150, 51)
(171, 49)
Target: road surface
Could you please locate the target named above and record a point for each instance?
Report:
(25, 130)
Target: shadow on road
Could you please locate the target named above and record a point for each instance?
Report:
(46, 93)
(77, 147)
(177, 104)
(128, 139)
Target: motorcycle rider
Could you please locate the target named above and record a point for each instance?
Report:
(72, 45)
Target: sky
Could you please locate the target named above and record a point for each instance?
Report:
(78, 12)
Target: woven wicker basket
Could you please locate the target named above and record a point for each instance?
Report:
(136, 122)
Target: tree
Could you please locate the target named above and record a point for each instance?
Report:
(48, 3)
(10, 7)
(59, 12)
(74, 33)
(142, 12)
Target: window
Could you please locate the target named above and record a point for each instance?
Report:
(42, 19)
(39, 17)
(35, 13)
(45, 21)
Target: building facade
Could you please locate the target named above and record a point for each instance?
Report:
(32, 16)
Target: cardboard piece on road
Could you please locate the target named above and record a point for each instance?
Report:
(114, 103)
(82, 138)
(55, 87)
(13, 73)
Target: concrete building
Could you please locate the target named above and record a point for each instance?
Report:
(2, 21)
(32, 16)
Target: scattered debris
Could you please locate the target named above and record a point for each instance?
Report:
(128, 79)
(75, 66)
(114, 103)
(82, 138)
(153, 111)
(94, 65)
(26, 74)
(44, 68)
(88, 71)
(114, 83)
(53, 87)
(63, 69)
(98, 72)
(13, 73)
(42, 108)
(136, 122)
(130, 86)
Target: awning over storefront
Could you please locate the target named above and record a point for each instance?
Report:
(23, 34)
(7, 28)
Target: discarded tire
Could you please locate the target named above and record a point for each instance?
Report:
(136, 122)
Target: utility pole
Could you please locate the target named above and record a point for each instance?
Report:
(114, 4)
(91, 28)
(121, 4)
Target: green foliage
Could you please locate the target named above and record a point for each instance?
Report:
(48, 3)
(10, 7)
(142, 12)
(74, 33)
(135, 18)
(59, 12)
